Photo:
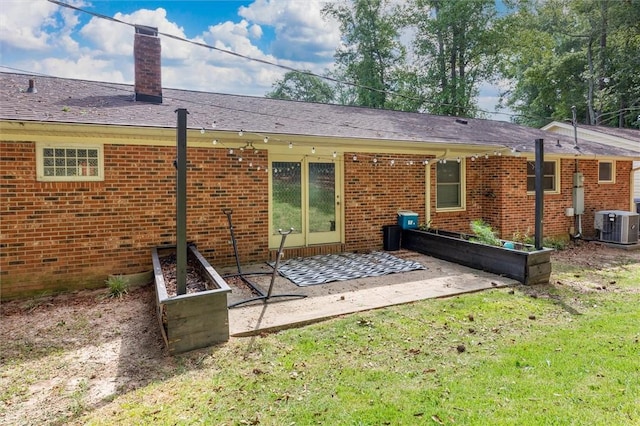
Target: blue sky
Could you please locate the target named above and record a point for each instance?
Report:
(40, 37)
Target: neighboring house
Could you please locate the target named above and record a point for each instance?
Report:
(88, 181)
(623, 138)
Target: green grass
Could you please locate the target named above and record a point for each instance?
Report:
(544, 355)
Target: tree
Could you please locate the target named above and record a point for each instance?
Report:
(456, 45)
(302, 86)
(582, 53)
(372, 52)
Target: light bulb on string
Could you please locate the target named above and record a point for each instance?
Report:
(213, 125)
(411, 162)
(215, 141)
(266, 139)
(313, 150)
(375, 161)
(355, 158)
(486, 156)
(240, 159)
(290, 145)
(240, 133)
(231, 151)
(202, 130)
(473, 158)
(335, 154)
(392, 162)
(458, 159)
(444, 161)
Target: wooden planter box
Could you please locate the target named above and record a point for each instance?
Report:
(528, 267)
(196, 320)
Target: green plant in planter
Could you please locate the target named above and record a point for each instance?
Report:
(118, 286)
(483, 233)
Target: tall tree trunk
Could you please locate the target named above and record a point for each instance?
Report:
(603, 72)
(590, 110)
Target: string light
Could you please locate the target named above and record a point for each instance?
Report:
(313, 150)
(202, 130)
(290, 145)
(393, 162)
(240, 133)
(231, 151)
(335, 154)
(458, 159)
(215, 141)
(213, 125)
(355, 158)
(266, 139)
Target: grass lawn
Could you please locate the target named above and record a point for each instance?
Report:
(567, 353)
(546, 355)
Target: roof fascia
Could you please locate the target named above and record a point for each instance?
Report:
(591, 135)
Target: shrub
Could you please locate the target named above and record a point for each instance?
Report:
(484, 234)
(118, 286)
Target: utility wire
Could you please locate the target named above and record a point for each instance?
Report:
(265, 62)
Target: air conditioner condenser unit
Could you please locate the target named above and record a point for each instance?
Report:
(617, 226)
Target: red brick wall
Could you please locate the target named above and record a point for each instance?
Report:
(373, 194)
(496, 191)
(66, 235)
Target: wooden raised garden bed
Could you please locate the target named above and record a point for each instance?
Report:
(197, 319)
(522, 263)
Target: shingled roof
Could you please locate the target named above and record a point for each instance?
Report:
(61, 100)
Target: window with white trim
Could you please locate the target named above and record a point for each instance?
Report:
(606, 172)
(549, 179)
(69, 162)
(450, 185)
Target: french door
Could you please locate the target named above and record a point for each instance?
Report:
(305, 196)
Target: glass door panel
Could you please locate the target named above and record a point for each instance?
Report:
(322, 197)
(286, 183)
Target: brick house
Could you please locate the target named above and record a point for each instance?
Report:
(623, 138)
(88, 181)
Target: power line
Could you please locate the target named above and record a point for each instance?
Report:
(265, 62)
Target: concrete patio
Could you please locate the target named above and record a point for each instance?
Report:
(439, 279)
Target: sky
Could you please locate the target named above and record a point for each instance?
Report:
(40, 37)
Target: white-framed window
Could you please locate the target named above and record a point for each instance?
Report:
(550, 179)
(69, 162)
(450, 185)
(606, 172)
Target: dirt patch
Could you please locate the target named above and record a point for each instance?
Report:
(62, 355)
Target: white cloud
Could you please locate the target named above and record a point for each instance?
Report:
(26, 25)
(111, 38)
(84, 68)
(301, 32)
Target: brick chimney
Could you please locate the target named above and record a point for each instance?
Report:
(146, 57)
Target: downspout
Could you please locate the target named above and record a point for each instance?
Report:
(578, 220)
(632, 186)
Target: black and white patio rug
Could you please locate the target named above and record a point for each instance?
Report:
(306, 271)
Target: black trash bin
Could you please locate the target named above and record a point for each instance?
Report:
(391, 237)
